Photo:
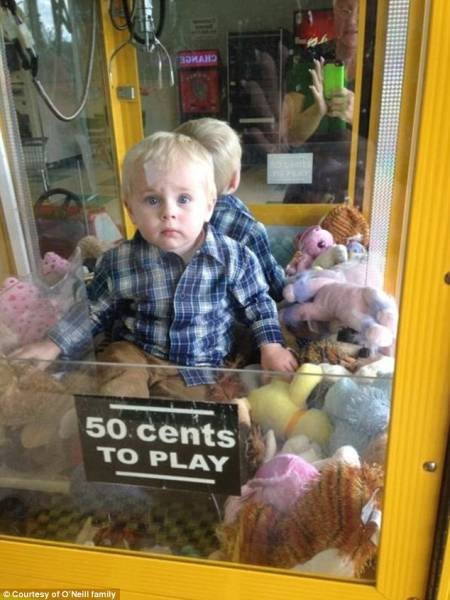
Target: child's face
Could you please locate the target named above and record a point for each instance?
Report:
(169, 206)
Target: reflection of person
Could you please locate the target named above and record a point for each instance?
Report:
(231, 217)
(261, 95)
(310, 117)
(173, 291)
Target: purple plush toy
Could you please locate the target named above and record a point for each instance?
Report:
(370, 311)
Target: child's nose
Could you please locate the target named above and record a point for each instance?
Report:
(168, 209)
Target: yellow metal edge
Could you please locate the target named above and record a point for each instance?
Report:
(419, 423)
(7, 266)
(290, 214)
(444, 582)
(165, 578)
(7, 262)
(415, 359)
(125, 115)
(409, 111)
(357, 100)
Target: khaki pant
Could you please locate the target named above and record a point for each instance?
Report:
(152, 377)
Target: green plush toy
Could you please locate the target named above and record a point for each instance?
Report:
(281, 406)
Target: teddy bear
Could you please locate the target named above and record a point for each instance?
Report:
(370, 311)
(309, 245)
(54, 267)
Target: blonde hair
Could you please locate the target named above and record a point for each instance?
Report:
(222, 142)
(166, 149)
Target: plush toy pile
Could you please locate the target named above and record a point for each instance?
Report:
(315, 504)
(331, 283)
(313, 446)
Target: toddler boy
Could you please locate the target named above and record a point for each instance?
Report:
(230, 215)
(172, 292)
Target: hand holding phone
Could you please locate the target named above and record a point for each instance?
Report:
(333, 78)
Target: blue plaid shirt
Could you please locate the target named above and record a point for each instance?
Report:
(178, 312)
(233, 218)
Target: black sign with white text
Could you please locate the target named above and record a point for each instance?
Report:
(160, 443)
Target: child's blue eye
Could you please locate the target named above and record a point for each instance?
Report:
(184, 199)
(151, 200)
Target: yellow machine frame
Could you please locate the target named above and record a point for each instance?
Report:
(419, 421)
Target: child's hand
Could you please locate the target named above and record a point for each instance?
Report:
(276, 358)
(46, 350)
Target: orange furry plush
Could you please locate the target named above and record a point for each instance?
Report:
(331, 529)
(331, 517)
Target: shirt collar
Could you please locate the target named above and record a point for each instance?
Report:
(211, 245)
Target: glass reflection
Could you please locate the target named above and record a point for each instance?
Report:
(69, 163)
(287, 86)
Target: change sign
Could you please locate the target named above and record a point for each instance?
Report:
(160, 443)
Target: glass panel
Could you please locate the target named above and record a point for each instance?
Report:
(310, 462)
(303, 127)
(312, 442)
(69, 163)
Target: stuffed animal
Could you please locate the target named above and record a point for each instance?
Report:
(359, 412)
(25, 310)
(279, 482)
(30, 307)
(302, 446)
(309, 245)
(331, 352)
(365, 309)
(9, 340)
(332, 256)
(250, 518)
(331, 527)
(33, 406)
(346, 223)
(54, 267)
(281, 406)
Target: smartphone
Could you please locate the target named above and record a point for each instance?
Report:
(333, 78)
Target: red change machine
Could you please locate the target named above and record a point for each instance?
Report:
(199, 83)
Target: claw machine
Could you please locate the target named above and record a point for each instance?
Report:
(328, 481)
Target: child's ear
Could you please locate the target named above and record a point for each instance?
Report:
(234, 182)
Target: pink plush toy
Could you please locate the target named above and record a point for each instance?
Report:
(309, 245)
(365, 309)
(25, 310)
(54, 267)
(279, 482)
